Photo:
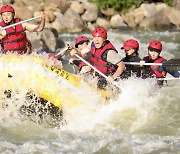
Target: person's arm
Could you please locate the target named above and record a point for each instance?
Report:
(114, 58)
(2, 34)
(174, 73)
(119, 70)
(35, 28)
(73, 52)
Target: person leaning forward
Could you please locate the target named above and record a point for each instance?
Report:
(82, 48)
(14, 39)
(105, 57)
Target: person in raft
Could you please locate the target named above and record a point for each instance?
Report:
(131, 48)
(154, 51)
(14, 39)
(105, 58)
(82, 48)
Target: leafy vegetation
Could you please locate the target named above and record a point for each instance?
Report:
(123, 5)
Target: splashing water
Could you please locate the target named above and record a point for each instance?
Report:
(140, 119)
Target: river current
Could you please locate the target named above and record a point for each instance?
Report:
(142, 119)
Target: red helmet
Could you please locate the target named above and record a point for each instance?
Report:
(155, 45)
(7, 8)
(130, 44)
(80, 40)
(100, 32)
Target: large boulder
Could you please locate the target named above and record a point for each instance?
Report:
(129, 19)
(157, 21)
(69, 22)
(52, 7)
(59, 24)
(33, 5)
(174, 15)
(91, 26)
(101, 22)
(117, 21)
(138, 15)
(63, 5)
(37, 44)
(176, 3)
(148, 9)
(77, 7)
(47, 40)
(21, 10)
(160, 6)
(91, 13)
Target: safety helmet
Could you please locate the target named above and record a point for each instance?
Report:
(7, 8)
(100, 31)
(130, 44)
(80, 40)
(155, 45)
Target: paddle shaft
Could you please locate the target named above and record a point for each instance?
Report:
(137, 63)
(20, 22)
(172, 64)
(95, 69)
(168, 63)
(62, 50)
(168, 79)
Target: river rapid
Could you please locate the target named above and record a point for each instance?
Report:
(142, 119)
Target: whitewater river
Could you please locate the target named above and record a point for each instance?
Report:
(142, 119)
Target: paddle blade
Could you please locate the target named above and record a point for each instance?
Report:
(172, 64)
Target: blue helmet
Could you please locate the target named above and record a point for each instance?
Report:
(40, 52)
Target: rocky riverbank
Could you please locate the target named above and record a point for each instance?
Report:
(73, 16)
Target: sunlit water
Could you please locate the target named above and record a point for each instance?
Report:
(142, 119)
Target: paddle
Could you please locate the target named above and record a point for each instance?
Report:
(115, 83)
(62, 50)
(168, 79)
(173, 64)
(20, 22)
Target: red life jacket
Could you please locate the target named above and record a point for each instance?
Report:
(97, 59)
(155, 69)
(81, 65)
(15, 39)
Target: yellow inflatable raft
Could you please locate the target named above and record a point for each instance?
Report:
(31, 72)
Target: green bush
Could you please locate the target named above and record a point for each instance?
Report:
(123, 5)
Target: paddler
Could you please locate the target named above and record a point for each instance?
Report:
(131, 49)
(14, 38)
(82, 48)
(105, 58)
(154, 51)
